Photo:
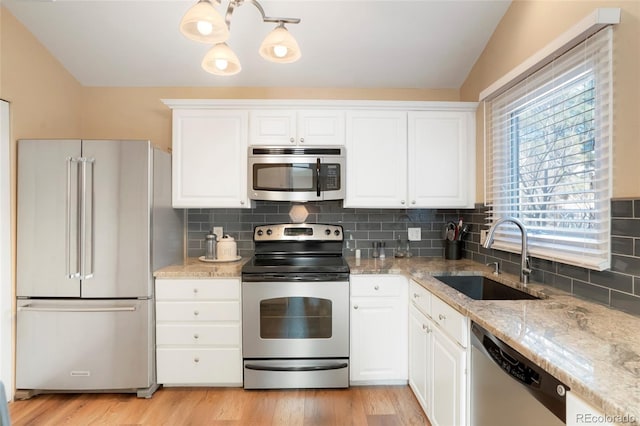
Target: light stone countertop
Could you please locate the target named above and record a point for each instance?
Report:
(593, 349)
(194, 268)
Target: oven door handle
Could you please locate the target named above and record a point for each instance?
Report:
(336, 366)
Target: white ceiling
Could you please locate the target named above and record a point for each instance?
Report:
(345, 43)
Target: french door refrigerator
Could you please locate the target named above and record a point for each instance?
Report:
(94, 221)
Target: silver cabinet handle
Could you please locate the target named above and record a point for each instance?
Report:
(355, 306)
(426, 328)
(196, 336)
(301, 140)
(195, 291)
(442, 317)
(413, 201)
(402, 202)
(196, 360)
(376, 287)
(416, 295)
(292, 140)
(196, 313)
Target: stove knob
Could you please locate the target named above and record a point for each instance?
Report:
(337, 232)
(260, 232)
(269, 232)
(327, 231)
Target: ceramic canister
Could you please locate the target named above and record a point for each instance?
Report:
(227, 248)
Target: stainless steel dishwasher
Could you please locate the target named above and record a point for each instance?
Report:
(508, 389)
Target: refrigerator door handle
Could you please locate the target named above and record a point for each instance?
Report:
(29, 308)
(87, 195)
(72, 271)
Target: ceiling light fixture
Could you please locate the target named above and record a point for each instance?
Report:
(204, 24)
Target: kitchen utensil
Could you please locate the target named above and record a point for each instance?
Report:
(376, 249)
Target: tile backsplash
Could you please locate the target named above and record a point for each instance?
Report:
(361, 226)
(618, 287)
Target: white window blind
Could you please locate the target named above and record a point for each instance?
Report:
(548, 155)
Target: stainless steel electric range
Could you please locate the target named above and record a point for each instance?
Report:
(295, 308)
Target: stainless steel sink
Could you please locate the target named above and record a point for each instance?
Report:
(481, 288)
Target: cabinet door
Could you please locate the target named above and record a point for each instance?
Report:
(210, 158)
(448, 393)
(378, 339)
(441, 161)
(320, 127)
(376, 159)
(580, 412)
(420, 348)
(272, 127)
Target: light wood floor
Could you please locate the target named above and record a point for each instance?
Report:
(366, 405)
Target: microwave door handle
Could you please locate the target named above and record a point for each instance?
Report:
(318, 177)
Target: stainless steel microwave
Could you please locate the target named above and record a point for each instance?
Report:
(296, 173)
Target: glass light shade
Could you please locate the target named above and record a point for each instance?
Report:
(221, 60)
(280, 46)
(204, 24)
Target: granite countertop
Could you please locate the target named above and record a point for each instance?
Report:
(593, 349)
(194, 268)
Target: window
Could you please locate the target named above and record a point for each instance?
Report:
(548, 157)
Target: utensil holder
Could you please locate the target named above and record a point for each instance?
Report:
(453, 249)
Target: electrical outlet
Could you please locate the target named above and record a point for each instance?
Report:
(218, 231)
(483, 235)
(414, 234)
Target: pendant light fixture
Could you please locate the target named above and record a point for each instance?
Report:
(204, 24)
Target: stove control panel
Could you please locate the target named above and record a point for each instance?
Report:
(298, 232)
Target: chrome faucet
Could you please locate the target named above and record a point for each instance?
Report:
(525, 270)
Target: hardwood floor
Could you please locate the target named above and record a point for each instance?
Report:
(362, 405)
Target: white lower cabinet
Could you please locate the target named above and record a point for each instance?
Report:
(438, 358)
(378, 329)
(198, 332)
(580, 412)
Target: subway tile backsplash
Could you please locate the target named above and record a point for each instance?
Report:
(618, 287)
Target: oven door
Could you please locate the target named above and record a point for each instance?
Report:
(296, 178)
(295, 319)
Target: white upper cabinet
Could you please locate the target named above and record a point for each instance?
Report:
(411, 159)
(441, 161)
(376, 159)
(210, 158)
(296, 127)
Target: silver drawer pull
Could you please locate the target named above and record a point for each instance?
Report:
(196, 360)
(426, 328)
(355, 306)
(196, 336)
(196, 313)
(376, 287)
(416, 295)
(195, 291)
(442, 317)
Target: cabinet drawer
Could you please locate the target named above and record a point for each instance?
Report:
(198, 334)
(198, 311)
(420, 297)
(377, 285)
(451, 321)
(209, 289)
(220, 366)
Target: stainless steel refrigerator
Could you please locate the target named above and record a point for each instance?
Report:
(94, 221)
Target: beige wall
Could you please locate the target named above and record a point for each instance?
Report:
(45, 99)
(138, 113)
(526, 28)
